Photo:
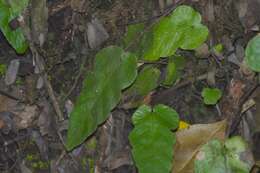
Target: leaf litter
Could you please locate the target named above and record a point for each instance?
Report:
(68, 36)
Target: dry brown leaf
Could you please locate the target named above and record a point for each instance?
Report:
(6, 104)
(189, 142)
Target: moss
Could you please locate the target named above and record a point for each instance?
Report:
(2, 69)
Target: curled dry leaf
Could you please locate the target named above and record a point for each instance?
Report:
(190, 140)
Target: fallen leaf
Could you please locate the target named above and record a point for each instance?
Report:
(96, 33)
(190, 140)
(12, 71)
(24, 118)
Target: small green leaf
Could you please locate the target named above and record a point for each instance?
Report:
(146, 81)
(152, 139)
(216, 157)
(253, 54)
(132, 33)
(8, 12)
(171, 74)
(218, 48)
(173, 71)
(182, 29)
(211, 95)
(3, 69)
(114, 70)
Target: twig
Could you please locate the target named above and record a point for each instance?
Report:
(40, 65)
(9, 96)
(236, 122)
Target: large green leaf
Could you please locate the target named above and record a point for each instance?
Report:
(253, 53)
(7, 13)
(114, 70)
(182, 29)
(152, 139)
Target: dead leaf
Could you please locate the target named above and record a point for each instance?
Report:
(12, 71)
(6, 104)
(39, 24)
(24, 118)
(2, 124)
(189, 141)
(202, 51)
(96, 33)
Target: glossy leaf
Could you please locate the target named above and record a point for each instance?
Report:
(8, 12)
(253, 53)
(211, 95)
(182, 29)
(152, 140)
(114, 70)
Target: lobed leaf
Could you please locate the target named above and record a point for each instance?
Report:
(114, 70)
(182, 29)
(216, 157)
(152, 139)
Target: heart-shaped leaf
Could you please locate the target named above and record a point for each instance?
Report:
(114, 70)
(8, 12)
(211, 95)
(152, 139)
(253, 53)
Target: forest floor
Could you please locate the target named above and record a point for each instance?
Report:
(32, 134)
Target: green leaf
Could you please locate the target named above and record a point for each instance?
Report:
(171, 74)
(211, 95)
(218, 48)
(253, 54)
(152, 140)
(236, 147)
(182, 29)
(216, 157)
(173, 71)
(132, 33)
(146, 81)
(210, 158)
(8, 12)
(114, 70)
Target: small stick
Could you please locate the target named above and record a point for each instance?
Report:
(40, 64)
